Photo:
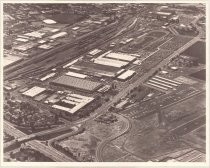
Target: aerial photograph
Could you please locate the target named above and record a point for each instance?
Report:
(104, 82)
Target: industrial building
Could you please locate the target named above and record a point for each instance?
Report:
(75, 74)
(49, 21)
(118, 60)
(34, 91)
(99, 70)
(10, 60)
(60, 34)
(73, 103)
(94, 52)
(164, 15)
(126, 75)
(110, 62)
(76, 83)
(121, 56)
(47, 76)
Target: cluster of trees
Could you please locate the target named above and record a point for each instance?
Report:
(138, 93)
(107, 118)
(29, 154)
(184, 62)
(27, 115)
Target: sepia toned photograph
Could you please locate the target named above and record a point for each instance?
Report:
(104, 82)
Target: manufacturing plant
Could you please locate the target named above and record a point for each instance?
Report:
(80, 78)
(108, 64)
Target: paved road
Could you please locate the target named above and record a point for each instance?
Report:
(47, 151)
(99, 150)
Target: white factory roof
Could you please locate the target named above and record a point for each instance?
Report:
(42, 41)
(48, 76)
(34, 91)
(45, 46)
(35, 34)
(61, 34)
(21, 39)
(126, 74)
(110, 62)
(75, 28)
(121, 56)
(22, 36)
(78, 100)
(78, 75)
(71, 63)
(164, 13)
(10, 59)
(49, 21)
(95, 51)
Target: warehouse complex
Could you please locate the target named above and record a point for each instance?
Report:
(73, 103)
(76, 83)
(94, 69)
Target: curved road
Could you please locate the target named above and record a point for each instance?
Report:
(101, 146)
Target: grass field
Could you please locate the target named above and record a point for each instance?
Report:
(111, 153)
(200, 74)
(151, 144)
(196, 110)
(197, 50)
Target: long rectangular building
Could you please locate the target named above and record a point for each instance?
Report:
(73, 103)
(121, 56)
(91, 68)
(77, 75)
(111, 62)
(77, 83)
(34, 91)
(126, 75)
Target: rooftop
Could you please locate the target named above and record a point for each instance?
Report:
(69, 81)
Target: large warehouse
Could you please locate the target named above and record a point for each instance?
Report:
(77, 83)
(120, 56)
(73, 103)
(10, 60)
(96, 69)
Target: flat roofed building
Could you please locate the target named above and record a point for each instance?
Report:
(164, 13)
(49, 21)
(111, 62)
(35, 34)
(34, 91)
(73, 102)
(10, 60)
(75, 74)
(96, 69)
(77, 83)
(21, 39)
(95, 51)
(126, 75)
(47, 76)
(45, 46)
(60, 34)
(121, 56)
(71, 63)
(25, 47)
